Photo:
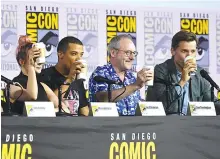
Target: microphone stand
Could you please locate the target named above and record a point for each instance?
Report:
(212, 94)
(109, 93)
(168, 100)
(179, 112)
(8, 112)
(60, 113)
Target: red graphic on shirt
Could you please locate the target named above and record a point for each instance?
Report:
(73, 101)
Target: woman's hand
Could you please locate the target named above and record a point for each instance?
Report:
(32, 54)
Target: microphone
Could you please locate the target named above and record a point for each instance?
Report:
(205, 75)
(6, 80)
(108, 81)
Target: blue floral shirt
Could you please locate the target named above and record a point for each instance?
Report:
(125, 106)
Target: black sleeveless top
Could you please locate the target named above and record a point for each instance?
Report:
(18, 106)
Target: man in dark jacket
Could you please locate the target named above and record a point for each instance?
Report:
(177, 82)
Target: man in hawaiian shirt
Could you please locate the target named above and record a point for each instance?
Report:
(122, 53)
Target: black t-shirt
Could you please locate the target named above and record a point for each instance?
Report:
(18, 106)
(77, 93)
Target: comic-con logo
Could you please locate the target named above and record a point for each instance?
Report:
(121, 23)
(95, 109)
(83, 24)
(158, 29)
(192, 107)
(9, 39)
(8, 42)
(199, 25)
(9, 31)
(43, 27)
(17, 146)
(90, 41)
(133, 145)
(218, 44)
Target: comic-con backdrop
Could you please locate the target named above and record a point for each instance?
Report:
(150, 28)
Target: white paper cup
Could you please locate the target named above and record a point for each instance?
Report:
(83, 73)
(151, 82)
(41, 46)
(188, 58)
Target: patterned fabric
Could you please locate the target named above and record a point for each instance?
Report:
(185, 94)
(125, 106)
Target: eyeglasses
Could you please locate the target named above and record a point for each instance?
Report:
(128, 52)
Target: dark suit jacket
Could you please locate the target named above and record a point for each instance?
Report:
(199, 88)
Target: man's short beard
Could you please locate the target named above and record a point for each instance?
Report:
(180, 65)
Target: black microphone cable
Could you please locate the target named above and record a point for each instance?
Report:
(121, 93)
(22, 90)
(177, 98)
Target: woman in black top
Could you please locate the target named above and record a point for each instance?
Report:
(26, 57)
(29, 92)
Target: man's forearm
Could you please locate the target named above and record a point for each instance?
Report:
(103, 96)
